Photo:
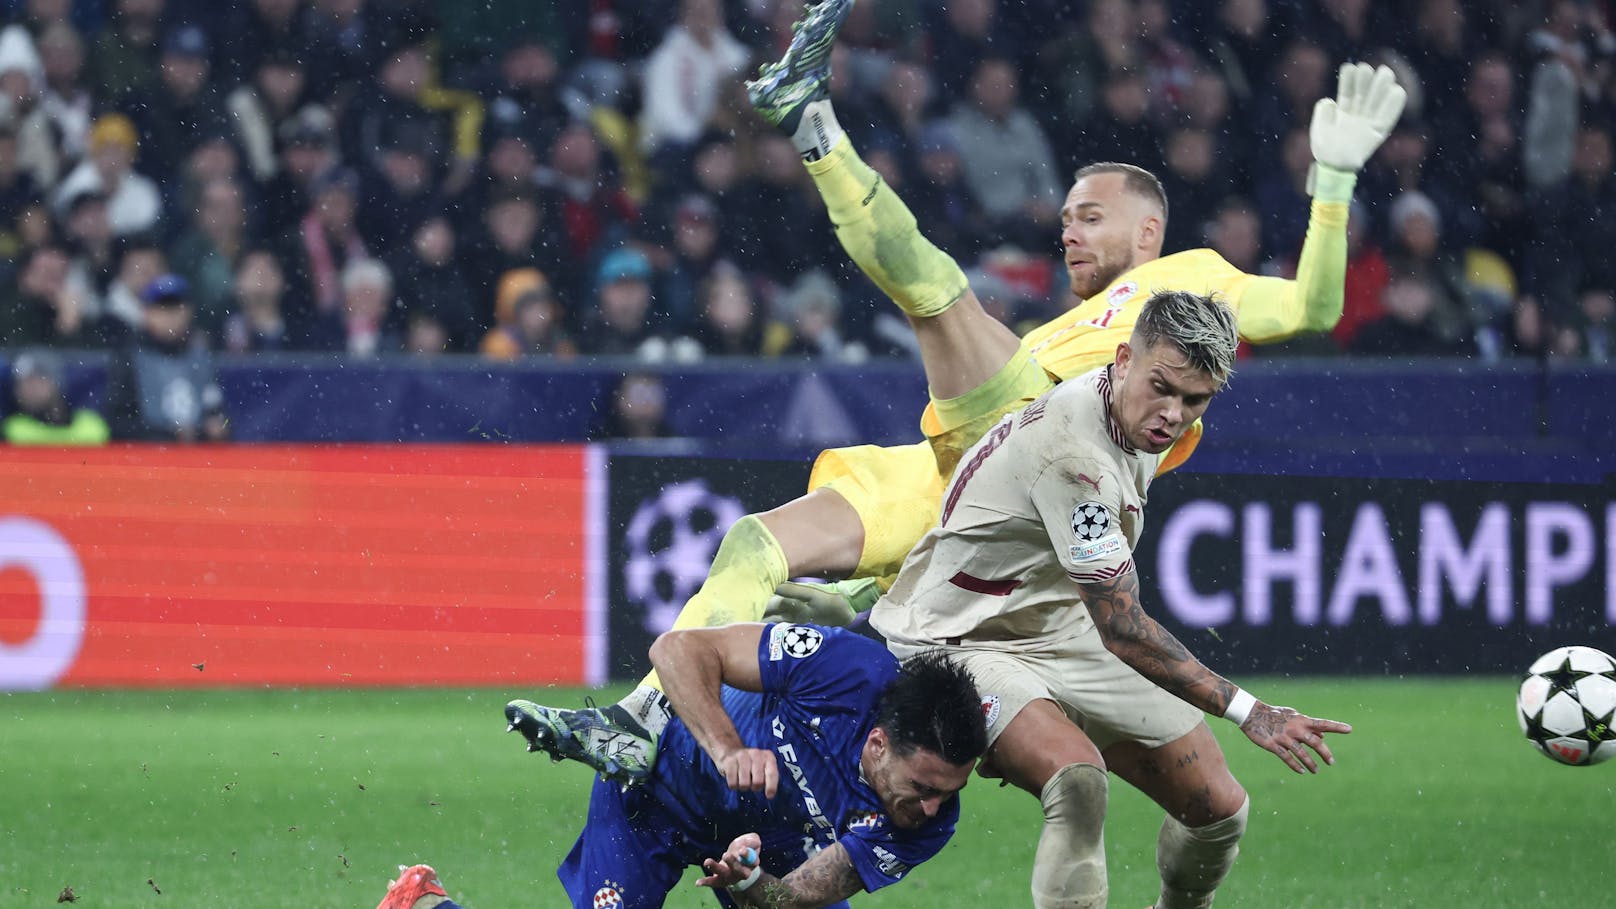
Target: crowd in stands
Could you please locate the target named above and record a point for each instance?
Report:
(557, 178)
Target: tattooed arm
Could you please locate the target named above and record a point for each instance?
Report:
(829, 877)
(1153, 652)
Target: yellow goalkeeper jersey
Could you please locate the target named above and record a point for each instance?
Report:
(1086, 336)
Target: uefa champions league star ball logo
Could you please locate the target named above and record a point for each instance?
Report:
(1090, 521)
(800, 641)
(670, 543)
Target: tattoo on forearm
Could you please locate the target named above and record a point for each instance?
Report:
(825, 878)
(1141, 642)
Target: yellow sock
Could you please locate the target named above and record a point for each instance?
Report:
(748, 566)
(880, 234)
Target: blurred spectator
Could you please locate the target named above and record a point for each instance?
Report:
(693, 257)
(1444, 46)
(1571, 53)
(1416, 249)
(263, 110)
(730, 324)
(940, 199)
(1408, 329)
(1300, 77)
(1480, 147)
(425, 335)
(402, 193)
(1234, 231)
(317, 251)
(181, 106)
(622, 321)
(1536, 334)
(1572, 233)
(964, 33)
(254, 29)
(40, 413)
(806, 322)
(1008, 161)
(44, 307)
(161, 385)
(133, 203)
(125, 59)
(684, 77)
(1167, 62)
(88, 236)
(1348, 29)
(18, 192)
(636, 409)
(208, 250)
(527, 99)
(66, 99)
(140, 262)
(1195, 180)
(1244, 39)
(596, 210)
(307, 151)
(518, 231)
(22, 82)
(402, 97)
(431, 284)
(368, 322)
(1120, 130)
(256, 322)
(903, 105)
(530, 321)
(1281, 195)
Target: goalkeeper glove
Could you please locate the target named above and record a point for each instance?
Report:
(1348, 128)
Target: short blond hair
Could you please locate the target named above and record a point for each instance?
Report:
(1202, 326)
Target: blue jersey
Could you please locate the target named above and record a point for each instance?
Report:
(821, 687)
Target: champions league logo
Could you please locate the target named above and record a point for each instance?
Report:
(670, 542)
(1090, 521)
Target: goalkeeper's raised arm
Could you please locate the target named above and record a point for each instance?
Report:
(1345, 132)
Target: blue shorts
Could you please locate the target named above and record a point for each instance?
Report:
(619, 863)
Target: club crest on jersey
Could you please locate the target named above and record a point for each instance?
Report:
(608, 897)
(990, 708)
(1121, 293)
(797, 641)
(863, 820)
(1090, 521)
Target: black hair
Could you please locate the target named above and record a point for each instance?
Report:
(933, 704)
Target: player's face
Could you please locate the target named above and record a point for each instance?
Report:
(1101, 224)
(1158, 395)
(913, 787)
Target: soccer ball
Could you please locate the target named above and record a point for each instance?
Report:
(1567, 705)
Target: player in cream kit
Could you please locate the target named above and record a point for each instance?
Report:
(1028, 581)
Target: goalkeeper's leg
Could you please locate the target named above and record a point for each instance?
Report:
(961, 345)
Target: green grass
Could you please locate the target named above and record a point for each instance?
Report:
(305, 799)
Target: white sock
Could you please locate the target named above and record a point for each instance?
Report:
(818, 132)
(649, 707)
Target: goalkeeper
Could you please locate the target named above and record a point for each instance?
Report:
(867, 506)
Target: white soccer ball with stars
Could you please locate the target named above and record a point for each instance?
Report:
(1567, 705)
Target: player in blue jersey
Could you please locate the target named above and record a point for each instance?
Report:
(804, 765)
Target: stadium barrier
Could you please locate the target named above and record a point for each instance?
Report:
(300, 566)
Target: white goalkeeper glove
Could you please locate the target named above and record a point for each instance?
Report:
(1348, 128)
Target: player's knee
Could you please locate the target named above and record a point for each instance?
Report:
(1194, 860)
(1069, 869)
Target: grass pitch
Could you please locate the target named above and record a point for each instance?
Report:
(312, 798)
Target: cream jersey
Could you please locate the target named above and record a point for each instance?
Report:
(1053, 496)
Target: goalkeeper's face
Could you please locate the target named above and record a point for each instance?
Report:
(1105, 230)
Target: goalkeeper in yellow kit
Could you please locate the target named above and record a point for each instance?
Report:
(867, 506)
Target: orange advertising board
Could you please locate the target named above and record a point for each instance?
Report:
(300, 565)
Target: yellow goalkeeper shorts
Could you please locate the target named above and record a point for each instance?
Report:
(898, 491)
